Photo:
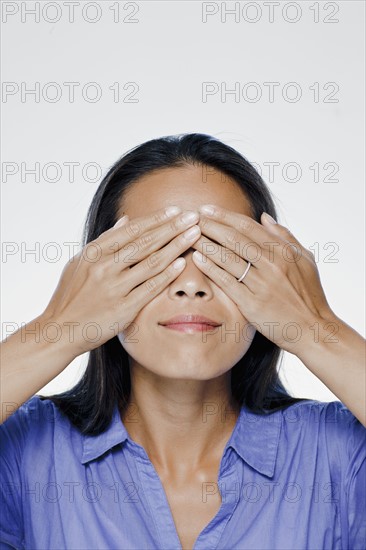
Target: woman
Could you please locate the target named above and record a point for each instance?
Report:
(180, 433)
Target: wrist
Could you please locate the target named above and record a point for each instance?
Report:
(56, 335)
(325, 338)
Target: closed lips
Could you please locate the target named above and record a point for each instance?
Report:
(190, 318)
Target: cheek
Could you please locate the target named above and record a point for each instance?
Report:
(135, 340)
(248, 332)
(235, 340)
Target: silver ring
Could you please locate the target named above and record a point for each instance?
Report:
(245, 272)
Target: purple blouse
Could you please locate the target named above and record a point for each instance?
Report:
(295, 479)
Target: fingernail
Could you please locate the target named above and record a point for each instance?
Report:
(179, 263)
(198, 256)
(269, 218)
(172, 211)
(121, 221)
(207, 209)
(192, 232)
(190, 217)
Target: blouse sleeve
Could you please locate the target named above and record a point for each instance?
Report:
(346, 441)
(13, 436)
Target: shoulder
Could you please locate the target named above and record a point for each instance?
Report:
(330, 424)
(329, 416)
(33, 411)
(30, 425)
(321, 412)
(324, 411)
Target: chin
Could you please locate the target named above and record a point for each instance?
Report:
(189, 374)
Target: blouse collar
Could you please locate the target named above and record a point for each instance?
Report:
(255, 438)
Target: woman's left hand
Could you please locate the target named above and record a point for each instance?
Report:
(281, 295)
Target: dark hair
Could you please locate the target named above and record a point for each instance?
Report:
(254, 379)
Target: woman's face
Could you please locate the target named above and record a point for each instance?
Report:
(170, 353)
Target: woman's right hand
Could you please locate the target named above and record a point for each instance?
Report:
(102, 288)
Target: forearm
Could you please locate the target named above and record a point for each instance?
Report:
(338, 360)
(28, 362)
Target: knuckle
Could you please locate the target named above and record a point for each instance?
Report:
(291, 252)
(245, 225)
(121, 304)
(89, 247)
(158, 217)
(180, 242)
(209, 266)
(226, 278)
(223, 214)
(179, 225)
(204, 223)
(288, 251)
(132, 229)
(99, 273)
(232, 236)
(286, 233)
(151, 286)
(153, 260)
(230, 257)
(167, 275)
(175, 225)
(91, 253)
(144, 241)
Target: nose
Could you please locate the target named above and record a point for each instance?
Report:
(191, 283)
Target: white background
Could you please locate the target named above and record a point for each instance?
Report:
(169, 52)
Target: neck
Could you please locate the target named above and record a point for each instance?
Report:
(182, 424)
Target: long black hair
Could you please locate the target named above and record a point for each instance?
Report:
(254, 379)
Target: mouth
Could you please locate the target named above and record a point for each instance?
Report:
(190, 323)
(190, 327)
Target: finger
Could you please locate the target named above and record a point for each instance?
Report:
(134, 228)
(250, 239)
(283, 232)
(142, 295)
(159, 260)
(153, 240)
(234, 240)
(242, 223)
(229, 284)
(226, 259)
